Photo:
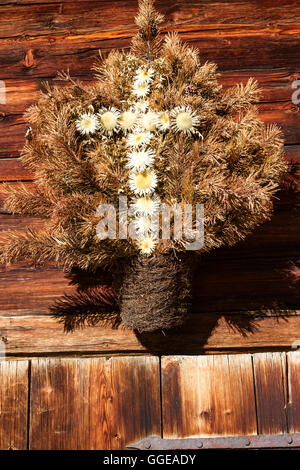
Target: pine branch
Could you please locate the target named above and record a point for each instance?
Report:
(88, 308)
(240, 96)
(147, 43)
(20, 200)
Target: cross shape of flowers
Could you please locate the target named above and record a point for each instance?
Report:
(140, 125)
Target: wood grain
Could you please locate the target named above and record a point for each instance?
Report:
(208, 396)
(13, 129)
(13, 404)
(82, 17)
(271, 393)
(48, 36)
(204, 334)
(12, 169)
(96, 403)
(231, 49)
(293, 367)
(31, 291)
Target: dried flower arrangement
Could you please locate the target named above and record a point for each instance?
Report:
(157, 128)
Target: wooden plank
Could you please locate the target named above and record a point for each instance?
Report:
(41, 31)
(270, 390)
(208, 396)
(249, 281)
(79, 17)
(285, 115)
(234, 49)
(20, 93)
(13, 129)
(159, 3)
(31, 291)
(293, 368)
(292, 153)
(97, 403)
(13, 404)
(275, 84)
(203, 334)
(44, 56)
(12, 169)
(14, 222)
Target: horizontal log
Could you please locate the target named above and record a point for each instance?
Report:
(20, 94)
(28, 290)
(160, 3)
(12, 169)
(275, 84)
(292, 153)
(14, 222)
(208, 334)
(82, 17)
(12, 138)
(73, 17)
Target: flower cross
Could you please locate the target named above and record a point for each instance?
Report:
(140, 125)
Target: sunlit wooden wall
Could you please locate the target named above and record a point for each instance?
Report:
(245, 298)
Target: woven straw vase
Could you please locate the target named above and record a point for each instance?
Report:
(156, 292)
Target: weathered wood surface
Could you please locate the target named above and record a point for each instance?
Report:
(99, 403)
(111, 402)
(271, 392)
(293, 367)
(48, 37)
(13, 404)
(82, 16)
(204, 334)
(245, 39)
(208, 396)
(53, 41)
(226, 395)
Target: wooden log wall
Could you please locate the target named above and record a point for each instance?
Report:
(234, 286)
(113, 402)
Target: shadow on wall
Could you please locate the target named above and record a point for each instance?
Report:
(260, 275)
